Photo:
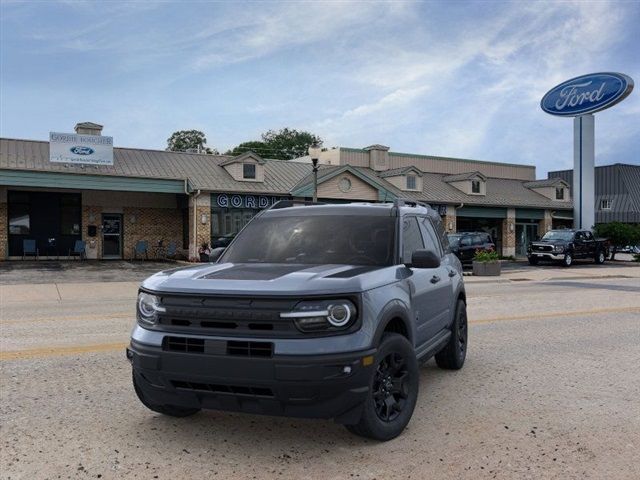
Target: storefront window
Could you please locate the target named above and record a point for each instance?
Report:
(227, 221)
(70, 214)
(19, 221)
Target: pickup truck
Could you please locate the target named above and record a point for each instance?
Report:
(565, 246)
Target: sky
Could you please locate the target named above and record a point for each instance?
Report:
(454, 79)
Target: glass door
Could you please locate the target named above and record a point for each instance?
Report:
(111, 235)
(525, 233)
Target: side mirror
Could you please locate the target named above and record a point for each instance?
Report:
(424, 259)
(215, 254)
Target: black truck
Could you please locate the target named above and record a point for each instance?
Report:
(565, 246)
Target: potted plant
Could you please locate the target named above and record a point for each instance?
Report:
(486, 263)
(204, 252)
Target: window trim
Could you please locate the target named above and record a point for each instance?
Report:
(414, 178)
(559, 193)
(608, 204)
(478, 183)
(244, 173)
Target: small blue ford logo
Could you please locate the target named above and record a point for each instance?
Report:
(587, 94)
(82, 150)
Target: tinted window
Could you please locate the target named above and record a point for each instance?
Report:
(558, 235)
(487, 239)
(315, 240)
(465, 241)
(430, 238)
(588, 236)
(248, 170)
(411, 238)
(477, 240)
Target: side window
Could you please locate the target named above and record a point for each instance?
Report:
(579, 236)
(465, 241)
(430, 238)
(588, 236)
(411, 238)
(477, 240)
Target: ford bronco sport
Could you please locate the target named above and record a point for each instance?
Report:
(313, 310)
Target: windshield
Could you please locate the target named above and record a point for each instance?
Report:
(454, 240)
(315, 240)
(558, 235)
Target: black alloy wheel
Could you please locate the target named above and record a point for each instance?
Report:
(453, 355)
(390, 387)
(568, 260)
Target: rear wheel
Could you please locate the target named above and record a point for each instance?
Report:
(170, 410)
(568, 260)
(452, 356)
(393, 390)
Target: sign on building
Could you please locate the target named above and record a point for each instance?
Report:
(80, 149)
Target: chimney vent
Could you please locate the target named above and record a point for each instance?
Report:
(88, 128)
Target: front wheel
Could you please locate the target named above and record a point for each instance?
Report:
(533, 260)
(600, 257)
(568, 260)
(393, 390)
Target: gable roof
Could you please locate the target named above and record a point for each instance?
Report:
(547, 182)
(249, 154)
(394, 172)
(464, 176)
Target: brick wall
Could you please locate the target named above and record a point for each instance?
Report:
(449, 220)
(152, 225)
(4, 237)
(545, 224)
(203, 230)
(509, 233)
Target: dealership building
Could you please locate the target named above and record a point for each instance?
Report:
(79, 187)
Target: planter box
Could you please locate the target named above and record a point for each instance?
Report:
(486, 269)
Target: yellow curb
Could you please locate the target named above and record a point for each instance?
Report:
(60, 351)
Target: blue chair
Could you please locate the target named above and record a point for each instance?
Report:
(29, 248)
(142, 247)
(80, 249)
(172, 249)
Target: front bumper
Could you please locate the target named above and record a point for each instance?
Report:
(546, 256)
(311, 386)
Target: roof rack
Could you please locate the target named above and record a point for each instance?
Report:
(401, 202)
(292, 203)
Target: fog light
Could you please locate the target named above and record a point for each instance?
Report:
(368, 360)
(346, 369)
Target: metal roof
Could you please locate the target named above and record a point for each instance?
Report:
(202, 171)
(463, 176)
(394, 172)
(547, 182)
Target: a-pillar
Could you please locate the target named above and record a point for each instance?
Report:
(509, 234)
(199, 223)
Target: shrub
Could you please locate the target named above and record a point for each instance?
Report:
(486, 256)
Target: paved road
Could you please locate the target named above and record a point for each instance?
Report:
(551, 389)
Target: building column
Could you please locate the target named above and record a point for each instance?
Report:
(200, 213)
(4, 227)
(545, 224)
(509, 234)
(92, 215)
(450, 219)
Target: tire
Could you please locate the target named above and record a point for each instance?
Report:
(393, 390)
(600, 257)
(453, 355)
(532, 260)
(169, 410)
(568, 260)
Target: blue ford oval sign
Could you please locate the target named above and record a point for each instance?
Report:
(587, 94)
(81, 150)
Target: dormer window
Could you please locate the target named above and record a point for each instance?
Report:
(559, 193)
(475, 186)
(411, 182)
(605, 204)
(249, 171)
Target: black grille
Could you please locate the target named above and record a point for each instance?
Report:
(543, 248)
(184, 344)
(230, 389)
(250, 349)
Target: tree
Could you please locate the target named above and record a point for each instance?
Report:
(255, 146)
(619, 234)
(283, 144)
(184, 140)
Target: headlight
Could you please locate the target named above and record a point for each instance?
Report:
(148, 308)
(559, 248)
(322, 315)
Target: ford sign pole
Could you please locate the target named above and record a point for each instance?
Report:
(580, 97)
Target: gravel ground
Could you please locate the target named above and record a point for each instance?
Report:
(551, 389)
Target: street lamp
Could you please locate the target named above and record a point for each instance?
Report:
(314, 153)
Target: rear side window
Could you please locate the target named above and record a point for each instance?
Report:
(488, 239)
(411, 238)
(465, 241)
(477, 240)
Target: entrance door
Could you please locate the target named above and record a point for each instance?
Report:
(525, 233)
(111, 235)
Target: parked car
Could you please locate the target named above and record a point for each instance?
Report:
(223, 240)
(465, 244)
(327, 316)
(565, 246)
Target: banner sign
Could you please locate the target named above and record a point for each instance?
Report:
(236, 200)
(80, 149)
(587, 94)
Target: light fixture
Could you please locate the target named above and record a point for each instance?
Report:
(511, 227)
(132, 219)
(450, 226)
(203, 219)
(92, 218)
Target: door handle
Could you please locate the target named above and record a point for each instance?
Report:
(435, 279)
(452, 273)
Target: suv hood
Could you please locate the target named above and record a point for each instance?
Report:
(272, 279)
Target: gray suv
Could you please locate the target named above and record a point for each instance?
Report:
(314, 310)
